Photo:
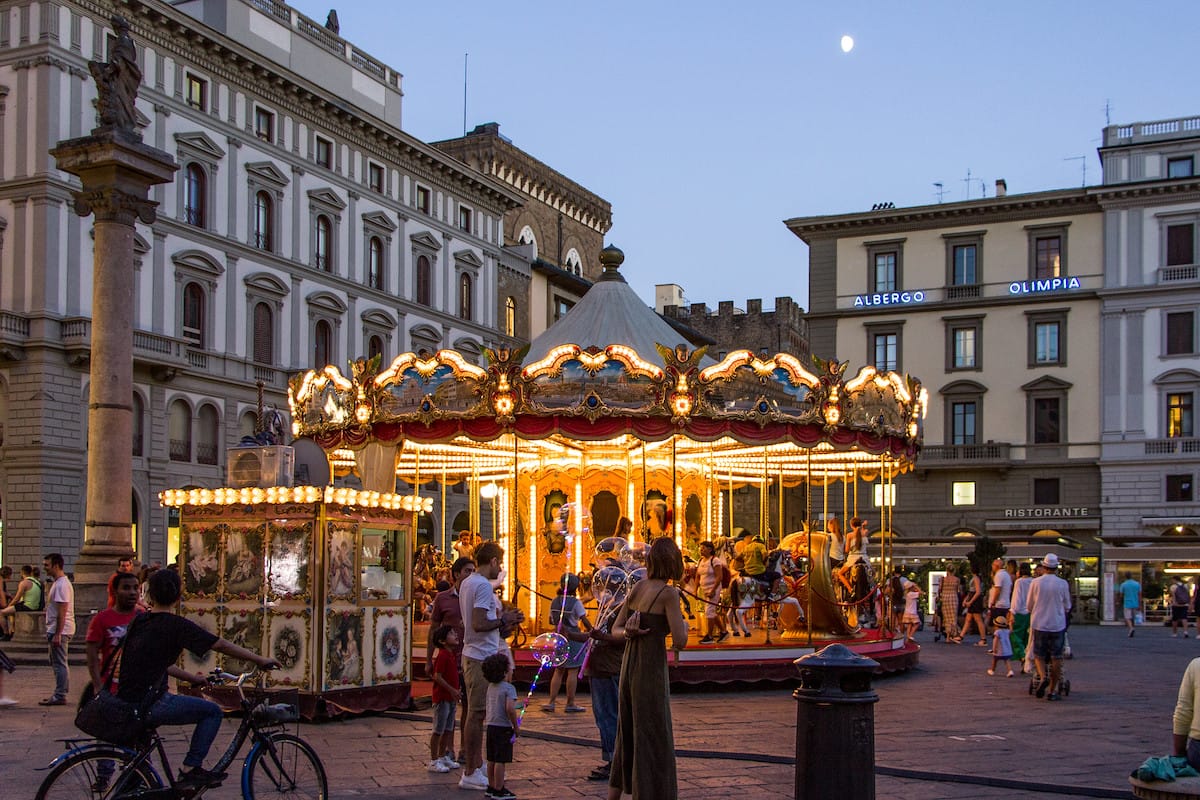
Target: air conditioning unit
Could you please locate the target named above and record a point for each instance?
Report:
(248, 467)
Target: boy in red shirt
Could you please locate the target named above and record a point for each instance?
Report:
(445, 700)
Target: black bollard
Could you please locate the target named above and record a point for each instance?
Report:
(835, 726)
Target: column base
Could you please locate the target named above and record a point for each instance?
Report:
(93, 569)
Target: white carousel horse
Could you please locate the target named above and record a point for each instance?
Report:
(747, 592)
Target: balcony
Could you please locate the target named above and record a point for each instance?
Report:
(14, 331)
(1172, 446)
(964, 292)
(165, 355)
(991, 454)
(1175, 274)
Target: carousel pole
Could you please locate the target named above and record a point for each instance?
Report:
(473, 500)
(808, 532)
(445, 538)
(731, 504)
(764, 512)
(781, 528)
(677, 517)
(885, 555)
(514, 521)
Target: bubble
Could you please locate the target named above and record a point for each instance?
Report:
(637, 575)
(636, 554)
(610, 584)
(550, 649)
(614, 548)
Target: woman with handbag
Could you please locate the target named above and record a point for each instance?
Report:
(151, 647)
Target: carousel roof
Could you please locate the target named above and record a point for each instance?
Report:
(610, 313)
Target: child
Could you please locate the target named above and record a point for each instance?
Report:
(912, 616)
(446, 695)
(1001, 645)
(501, 722)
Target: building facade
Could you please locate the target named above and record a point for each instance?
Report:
(1150, 373)
(781, 330)
(994, 305)
(305, 227)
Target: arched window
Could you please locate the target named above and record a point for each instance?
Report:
(526, 237)
(264, 334)
(375, 264)
(324, 243)
(179, 431)
(375, 347)
(464, 296)
(264, 238)
(322, 344)
(573, 263)
(194, 195)
(510, 316)
(424, 281)
(139, 425)
(193, 313)
(208, 435)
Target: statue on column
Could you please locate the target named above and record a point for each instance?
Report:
(117, 81)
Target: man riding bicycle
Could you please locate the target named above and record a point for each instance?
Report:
(152, 646)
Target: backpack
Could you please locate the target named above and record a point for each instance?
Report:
(1180, 594)
(724, 576)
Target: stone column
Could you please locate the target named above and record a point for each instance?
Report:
(117, 171)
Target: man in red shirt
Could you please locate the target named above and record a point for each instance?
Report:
(446, 611)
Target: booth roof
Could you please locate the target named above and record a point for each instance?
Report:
(610, 313)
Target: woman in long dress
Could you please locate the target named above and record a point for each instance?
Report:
(643, 761)
(948, 603)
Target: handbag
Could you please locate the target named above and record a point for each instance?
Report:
(106, 716)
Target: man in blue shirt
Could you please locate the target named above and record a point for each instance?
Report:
(1131, 599)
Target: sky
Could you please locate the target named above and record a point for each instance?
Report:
(706, 124)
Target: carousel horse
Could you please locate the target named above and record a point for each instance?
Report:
(760, 592)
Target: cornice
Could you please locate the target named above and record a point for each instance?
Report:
(1147, 193)
(1010, 208)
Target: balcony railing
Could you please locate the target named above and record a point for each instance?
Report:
(1161, 447)
(206, 454)
(989, 453)
(14, 325)
(962, 292)
(1186, 272)
(181, 450)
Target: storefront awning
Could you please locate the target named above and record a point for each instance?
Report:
(1158, 523)
(1031, 525)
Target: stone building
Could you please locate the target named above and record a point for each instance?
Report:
(782, 330)
(994, 304)
(1150, 373)
(560, 228)
(305, 227)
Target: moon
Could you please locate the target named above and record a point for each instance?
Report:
(847, 43)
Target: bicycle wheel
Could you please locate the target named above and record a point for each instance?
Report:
(97, 773)
(286, 766)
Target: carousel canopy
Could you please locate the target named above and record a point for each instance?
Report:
(610, 313)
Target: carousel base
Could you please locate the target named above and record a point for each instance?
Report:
(322, 705)
(753, 660)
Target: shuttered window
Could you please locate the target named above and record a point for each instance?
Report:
(264, 334)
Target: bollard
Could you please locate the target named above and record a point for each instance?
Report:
(835, 726)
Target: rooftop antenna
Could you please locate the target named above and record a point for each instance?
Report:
(1107, 113)
(983, 188)
(1083, 162)
(465, 56)
(939, 190)
(967, 181)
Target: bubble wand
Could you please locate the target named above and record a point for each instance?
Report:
(550, 650)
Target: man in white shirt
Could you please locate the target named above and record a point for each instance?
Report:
(485, 625)
(1049, 607)
(1000, 595)
(60, 627)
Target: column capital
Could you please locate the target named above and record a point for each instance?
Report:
(111, 204)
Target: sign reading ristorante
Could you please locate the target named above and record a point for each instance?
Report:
(1047, 511)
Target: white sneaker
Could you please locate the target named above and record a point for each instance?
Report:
(449, 761)
(436, 766)
(475, 780)
(7, 701)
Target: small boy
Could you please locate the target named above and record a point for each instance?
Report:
(446, 695)
(501, 720)
(1001, 645)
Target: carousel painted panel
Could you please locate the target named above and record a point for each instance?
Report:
(242, 571)
(584, 385)
(289, 559)
(341, 562)
(342, 648)
(391, 633)
(202, 545)
(289, 635)
(243, 625)
(208, 617)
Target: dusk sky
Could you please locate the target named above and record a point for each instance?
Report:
(706, 124)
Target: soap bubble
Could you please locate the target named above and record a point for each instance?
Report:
(614, 548)
(550, 649)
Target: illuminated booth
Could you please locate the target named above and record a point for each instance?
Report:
(610, 414)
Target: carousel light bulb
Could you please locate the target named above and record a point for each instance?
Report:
(362, 413)
(832, 414)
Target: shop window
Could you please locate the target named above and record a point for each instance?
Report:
(1046, 491)
(1179, 489)
(963, 493)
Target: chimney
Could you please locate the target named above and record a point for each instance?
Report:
(1001, 187)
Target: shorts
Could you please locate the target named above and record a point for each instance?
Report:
(976, 606)
(477, 687)
(1129, 613)
(913, 618)
(1179, 613)
(574, 655)
(499, 744)
(1049, 644)
(443, 716)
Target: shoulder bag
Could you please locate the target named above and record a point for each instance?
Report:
(106, 716)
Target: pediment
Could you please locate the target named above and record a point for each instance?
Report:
(198, 261)
(379, 318)
(426, 333)
(1177, 376)
(326, 197)
(472, 346)
(200, 143)
(378, 219)
(1046, 383)
(267, 171)
(327, 301)
(266, 282)
(963, 387)
(425, 239)
(468, 258)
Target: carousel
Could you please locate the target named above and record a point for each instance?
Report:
(607, 417)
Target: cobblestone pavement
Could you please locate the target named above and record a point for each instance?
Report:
(944, 730)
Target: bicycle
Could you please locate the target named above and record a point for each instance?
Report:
(279, 764)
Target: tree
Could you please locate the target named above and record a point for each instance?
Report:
(986, 551)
